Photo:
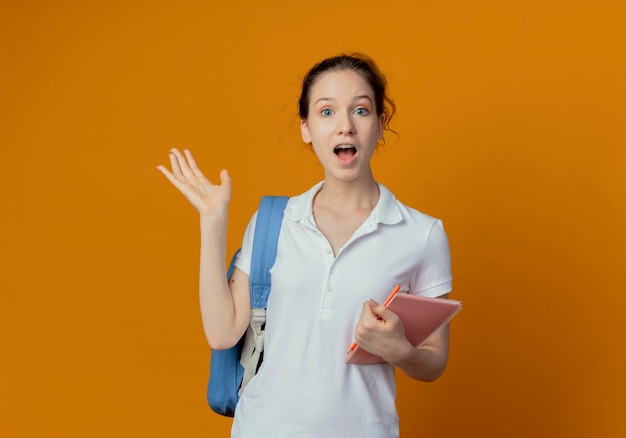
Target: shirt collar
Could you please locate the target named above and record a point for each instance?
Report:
(386, 210)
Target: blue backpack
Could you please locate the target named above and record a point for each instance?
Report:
(232, 369)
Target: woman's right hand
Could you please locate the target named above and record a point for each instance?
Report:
(205, 197)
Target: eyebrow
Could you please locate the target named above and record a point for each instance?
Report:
(331, 99)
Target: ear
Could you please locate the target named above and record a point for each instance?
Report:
(304, 131)
(381, 127)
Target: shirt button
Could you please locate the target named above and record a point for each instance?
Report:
(328, 250)
(329, 288)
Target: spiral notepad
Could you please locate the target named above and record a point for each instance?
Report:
(420, 316)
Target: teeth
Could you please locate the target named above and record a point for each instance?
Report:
(344, 146)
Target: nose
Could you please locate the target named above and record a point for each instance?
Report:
(345, 125)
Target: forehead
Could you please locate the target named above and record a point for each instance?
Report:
(343, 84)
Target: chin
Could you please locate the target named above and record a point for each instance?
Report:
(346, 175)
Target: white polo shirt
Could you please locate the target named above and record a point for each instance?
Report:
(304, 388)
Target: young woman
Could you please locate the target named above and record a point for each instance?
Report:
(343, 245)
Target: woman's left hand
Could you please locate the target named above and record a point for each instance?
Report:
(380, 331)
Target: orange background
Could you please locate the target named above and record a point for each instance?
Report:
(511, 129)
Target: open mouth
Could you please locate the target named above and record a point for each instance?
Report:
(345, 151)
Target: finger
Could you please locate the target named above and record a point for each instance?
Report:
(192, 164)
(368, 322)
(183, 167)
(163, 169)
(225, 178)
(175, 165)
(374, 307)
(368, 315)
(380, 311)
(171, 177)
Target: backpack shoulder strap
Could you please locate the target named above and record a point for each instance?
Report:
(267, 229)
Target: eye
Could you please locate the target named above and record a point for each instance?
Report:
(326, 112)
(361, 111)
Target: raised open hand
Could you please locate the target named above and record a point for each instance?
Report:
(205, 197)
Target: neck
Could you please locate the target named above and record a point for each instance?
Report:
(349, 195)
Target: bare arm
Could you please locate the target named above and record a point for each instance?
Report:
(224, 305)
(380, 332)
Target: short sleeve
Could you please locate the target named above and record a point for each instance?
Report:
(433, 277)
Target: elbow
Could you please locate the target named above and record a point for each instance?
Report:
(427, 370)
(215, 345)
(426, 377)
(221, 342)
(432, 376)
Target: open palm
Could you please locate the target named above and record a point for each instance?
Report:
(191, 182)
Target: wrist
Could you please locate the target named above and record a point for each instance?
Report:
(213, 227)
(214, 216)
(404, 354)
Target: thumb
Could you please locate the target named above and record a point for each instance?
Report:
(377, 309)
(225, 177)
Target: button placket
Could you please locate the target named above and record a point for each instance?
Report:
(329, 292)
